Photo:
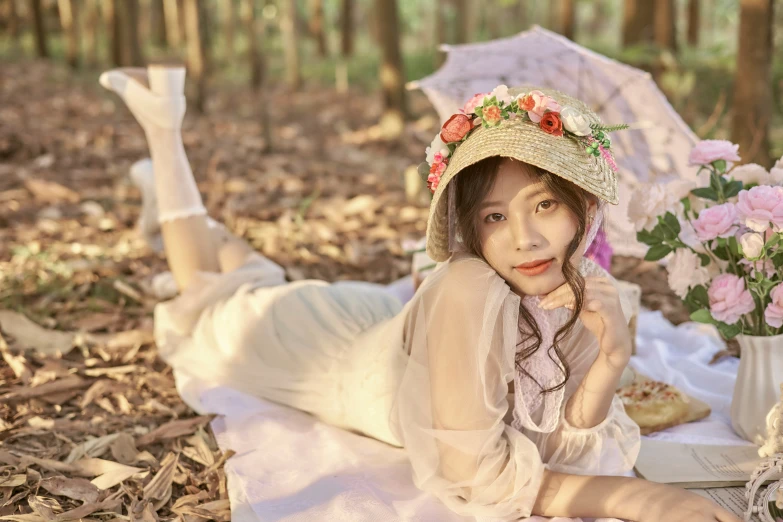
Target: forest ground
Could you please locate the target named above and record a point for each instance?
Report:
(327, 202)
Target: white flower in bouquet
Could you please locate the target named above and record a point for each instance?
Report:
(776, 173)
(690, 238)
(751, 173)
(685, 271)
(648, 202)
(752, 243)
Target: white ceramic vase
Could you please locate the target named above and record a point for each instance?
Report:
(757, 388)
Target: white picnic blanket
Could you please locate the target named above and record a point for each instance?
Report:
(291, 467)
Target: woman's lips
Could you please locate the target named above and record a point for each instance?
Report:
(535, 270)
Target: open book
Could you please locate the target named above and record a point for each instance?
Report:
(694, 466)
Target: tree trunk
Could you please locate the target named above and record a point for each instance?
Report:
(461, 30)
(346, 28)
(173, 33)
(439, 33)
(114, 30)
(291, 43)
(70, 27)
(638, 16)
(158, 23)
(255, 57)
(666, 25)
(132, 50)
(599, 17)
(39, 27)
(195, 47)
(145, 20)
(13, 21)
(229, 22)
(346, 46)
(257, 65)
(551, 15)
(91, 21)
(522, 16)
(392, 74)
(694, 21)
(492, 20)
(753, 81)
(568, 18)
(316, 24)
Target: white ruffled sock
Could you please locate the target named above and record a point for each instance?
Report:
(142, 175)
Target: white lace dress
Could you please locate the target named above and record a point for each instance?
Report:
(432, 375)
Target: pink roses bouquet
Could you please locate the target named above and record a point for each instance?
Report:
(725, 240)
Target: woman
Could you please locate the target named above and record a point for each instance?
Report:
(497, 377)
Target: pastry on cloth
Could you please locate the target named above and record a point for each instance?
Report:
(654, 404)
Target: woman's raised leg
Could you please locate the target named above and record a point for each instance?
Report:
(187, 242)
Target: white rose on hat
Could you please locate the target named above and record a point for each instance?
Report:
(575, 122)
(436, 146)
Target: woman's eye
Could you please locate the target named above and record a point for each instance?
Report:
(547, 204)
(492, 218)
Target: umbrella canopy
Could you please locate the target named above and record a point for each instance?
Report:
(657, 146)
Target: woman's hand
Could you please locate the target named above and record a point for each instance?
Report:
(601, 314)
(150, 110)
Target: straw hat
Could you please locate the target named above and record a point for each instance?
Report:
(525, 141)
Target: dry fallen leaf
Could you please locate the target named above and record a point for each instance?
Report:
(51, 192)
(141, 511)
(199, 450)
(175, 428)
(45, 507)
(89, 508)
(27, 334)
(12, 481)
(107, 473)
(158, 490)
(73, 382)
(94, 447)
(75, 488)
(123, 449)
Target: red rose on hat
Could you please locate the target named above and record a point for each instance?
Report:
(455, 128)
(551, 124)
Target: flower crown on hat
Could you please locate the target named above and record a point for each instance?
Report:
(490, 109)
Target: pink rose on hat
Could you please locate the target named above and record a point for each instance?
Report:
(475, 101)
(541, 104)
(729, 300)
(716, 221)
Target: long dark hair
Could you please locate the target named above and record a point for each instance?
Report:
(473, 184)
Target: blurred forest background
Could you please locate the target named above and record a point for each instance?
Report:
(700, 51)
(303, 140)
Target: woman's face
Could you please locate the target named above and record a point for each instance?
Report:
(522, 223)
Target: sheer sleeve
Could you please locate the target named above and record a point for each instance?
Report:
(450, 409)
(612, 446)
